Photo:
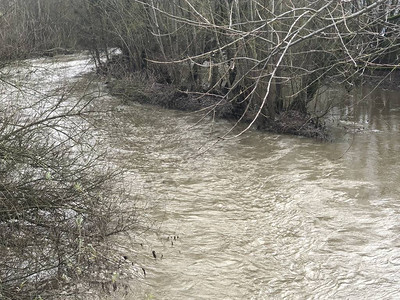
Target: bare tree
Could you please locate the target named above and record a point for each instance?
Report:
(59, 203)
(267, 58)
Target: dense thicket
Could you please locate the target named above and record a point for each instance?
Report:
(58, 201)
(265, 57)
(36, 27)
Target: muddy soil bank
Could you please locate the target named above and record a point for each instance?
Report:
(141, 89)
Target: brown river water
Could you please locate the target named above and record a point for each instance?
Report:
(262, 216)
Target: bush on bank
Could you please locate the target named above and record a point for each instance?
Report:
(58, 205)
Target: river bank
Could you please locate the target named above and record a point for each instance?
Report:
(142, 88)
(146, 89)
(59, 200)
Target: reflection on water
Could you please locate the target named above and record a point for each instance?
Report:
(263, 216)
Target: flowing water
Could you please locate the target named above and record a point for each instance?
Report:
(262, 216)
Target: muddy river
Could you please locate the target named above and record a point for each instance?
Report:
(262, 216)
